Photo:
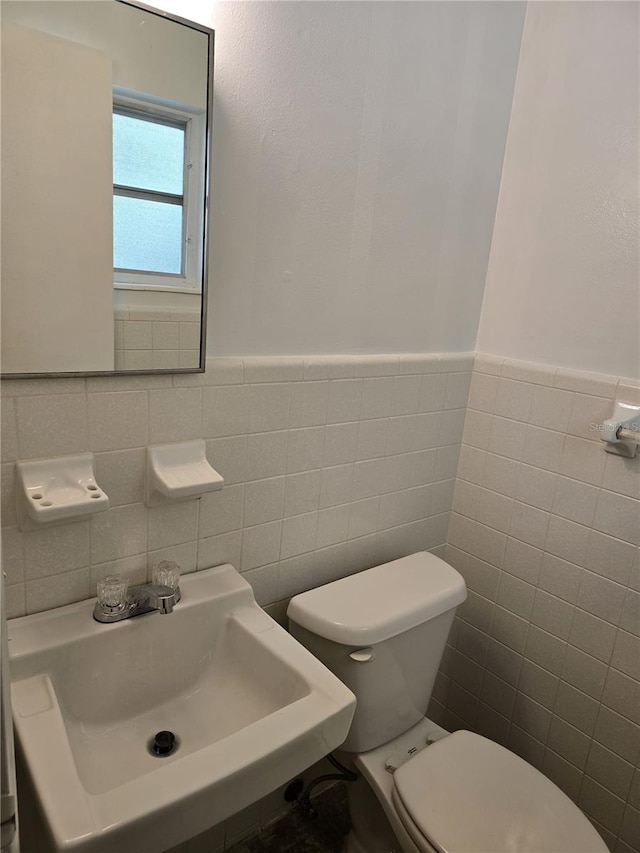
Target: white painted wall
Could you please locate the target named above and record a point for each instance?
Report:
(357, 157)
(563, 280)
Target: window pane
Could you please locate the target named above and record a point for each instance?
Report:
(147, 235)
(147, 155)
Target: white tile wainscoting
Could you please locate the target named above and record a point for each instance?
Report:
(545, 528)
(333, 464)
(148, 339)
(330, 465)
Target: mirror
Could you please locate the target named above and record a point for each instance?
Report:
(106, 115)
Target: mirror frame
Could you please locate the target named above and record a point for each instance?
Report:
(205, 221)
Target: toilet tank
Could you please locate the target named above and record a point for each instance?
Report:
(382, 632)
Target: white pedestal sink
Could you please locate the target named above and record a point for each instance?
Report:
(250, 708)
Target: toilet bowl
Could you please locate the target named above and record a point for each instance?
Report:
(421, 789)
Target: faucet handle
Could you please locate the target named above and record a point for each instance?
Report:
(112, 593)
(167, 573)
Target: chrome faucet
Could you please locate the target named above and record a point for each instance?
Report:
(144, 598)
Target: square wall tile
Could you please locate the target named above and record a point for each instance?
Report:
(626, 654)
(457, 392)
(583, 460)
(532, 717)
(269, 406)
(8, 431)
(260, 545)
(118, 532)
(522, 560)
(12, 555)
(622, 475)
(340, 444)
(543, 448)
(336, 486)
(551, 408)
(592, 635)
(432, 392)
(618, 734)
(586, 673)
(529, 524)
(120, 474)
(575, 501)
(506, 437)
(52, 425)
(309, 401)
(302, 492)
(266, 455)
(57, 549)
(225, 411)
(619, 516)
(538, 684)
(406, 395)
(217, 550)
(514, 399)
(545, 650)
(494, 510)
(305, 449)
(560, 578)
(263, 501)
(482, 392)
(609, 770)
(569, 742)
(172, 524)
(49, 592)
(622, 695)
(567, 540)
(298, 534)
(477, 429)
(601, 597)
(221, 512)
(377, 394)
(552, 614)
(500, 474)
(333, 525)
(229, 457)
(576, 708)
(345, 398)
(118, 420)
(8, 514)
(588, 413)
(372, 438)
(296, 574)
(516, 595)
(175, 414)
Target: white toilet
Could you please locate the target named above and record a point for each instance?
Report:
(383, 632)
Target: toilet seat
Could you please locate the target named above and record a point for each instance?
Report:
(467, 794)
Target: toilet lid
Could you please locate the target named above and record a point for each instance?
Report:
(466, 793)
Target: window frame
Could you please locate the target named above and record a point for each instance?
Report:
(189, 280)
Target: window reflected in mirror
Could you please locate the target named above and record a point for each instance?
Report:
(105, 138)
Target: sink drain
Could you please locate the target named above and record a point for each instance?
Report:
(163, 744)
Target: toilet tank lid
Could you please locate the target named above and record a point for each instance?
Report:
(381, 602)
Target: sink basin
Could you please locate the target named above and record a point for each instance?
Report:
(249, 707)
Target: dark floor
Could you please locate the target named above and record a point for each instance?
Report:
(296, 833)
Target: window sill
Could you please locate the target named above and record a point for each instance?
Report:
(120, 285)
